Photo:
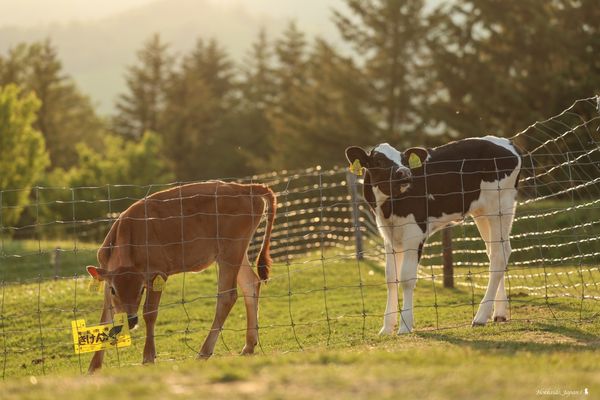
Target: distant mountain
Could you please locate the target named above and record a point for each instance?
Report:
(96, 53)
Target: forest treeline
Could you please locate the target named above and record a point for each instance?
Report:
(406, 74)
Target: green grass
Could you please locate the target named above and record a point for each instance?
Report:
(314, 342)
(494, 362)
(26, 260)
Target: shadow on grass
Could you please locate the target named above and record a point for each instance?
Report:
(580, 340)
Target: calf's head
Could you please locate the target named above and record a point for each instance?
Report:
(388, 169)
(125, 287)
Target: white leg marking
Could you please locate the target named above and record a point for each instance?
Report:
(498, 249)
(408, 281)
(390, 319)
(500, 304)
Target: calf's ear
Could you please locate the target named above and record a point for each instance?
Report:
(354, 153)
(96, 273)
(416, 156)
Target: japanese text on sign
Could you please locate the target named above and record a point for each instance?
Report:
(93, 338)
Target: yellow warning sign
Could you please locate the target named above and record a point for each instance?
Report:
(356, 167)
(95, 285)
(414, 161)
(87, 339)
(158, 284)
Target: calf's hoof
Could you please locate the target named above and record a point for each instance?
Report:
(247, 351)
(499, 318)
(385, 331)
(477, 323)
(202, 356)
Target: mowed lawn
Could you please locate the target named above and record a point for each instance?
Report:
(319, 319)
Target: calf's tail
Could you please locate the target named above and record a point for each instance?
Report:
(264, 260)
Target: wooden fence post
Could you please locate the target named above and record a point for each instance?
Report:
(447, 256)
(57, 255)
(354, 199)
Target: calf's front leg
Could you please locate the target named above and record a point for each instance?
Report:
(408, 281)
(150, 315)
(392, 264)
(96, 362)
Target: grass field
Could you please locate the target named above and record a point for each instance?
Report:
(315, 342)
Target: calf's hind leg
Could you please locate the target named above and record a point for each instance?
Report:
(226, 297)
(498, 249)
(249, 282)
(500, 301)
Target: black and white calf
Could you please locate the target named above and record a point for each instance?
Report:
(419, 191)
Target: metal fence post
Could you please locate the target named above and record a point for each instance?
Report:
(354, 199)
(447, 256)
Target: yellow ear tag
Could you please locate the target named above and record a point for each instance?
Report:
(158, 284)
(356, 168)
(414, 161)
(95, 285)
(93, 338)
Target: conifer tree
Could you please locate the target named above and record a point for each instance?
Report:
(258, 92)
(287, 114)
(500, 66)
(388, 35)
(139, 109)
(198, 126)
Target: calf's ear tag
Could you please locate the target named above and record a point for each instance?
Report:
(414, 161)
(158, 284)
(356, 168)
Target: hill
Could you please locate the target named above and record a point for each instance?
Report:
(96, 52)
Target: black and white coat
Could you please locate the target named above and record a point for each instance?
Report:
(474, 177)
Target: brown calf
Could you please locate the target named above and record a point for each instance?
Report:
(182, 229)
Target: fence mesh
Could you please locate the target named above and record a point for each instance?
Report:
(328, 285)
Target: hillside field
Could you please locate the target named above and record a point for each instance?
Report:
(313, 342)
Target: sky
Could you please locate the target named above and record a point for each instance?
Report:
(97, 39)
(28, 13)
(31, 13)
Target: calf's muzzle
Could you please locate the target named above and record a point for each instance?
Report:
(133, 320)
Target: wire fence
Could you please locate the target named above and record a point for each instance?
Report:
(328, 284)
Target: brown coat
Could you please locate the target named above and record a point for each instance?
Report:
(186, 228)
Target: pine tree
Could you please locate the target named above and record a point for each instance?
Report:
(210, 63)
(500, 66)
(286, 114)
(139, 109)
(199, 130)
(321, 106)
(258, 93)
(336, 109)
(388, 35)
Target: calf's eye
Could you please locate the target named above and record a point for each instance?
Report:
(112, 291)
